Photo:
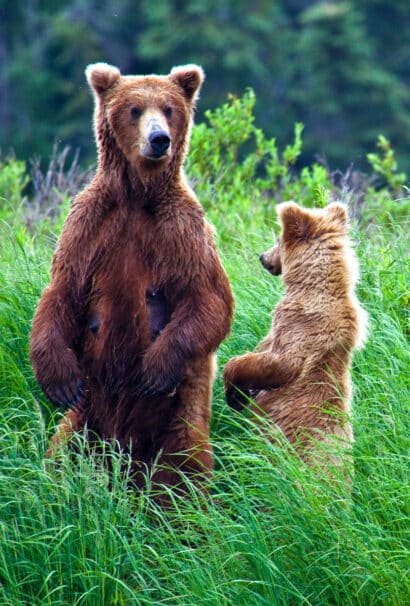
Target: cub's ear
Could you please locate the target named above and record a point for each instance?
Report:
(101, 76)
(296, 222)
(338, 213)
(189, 78)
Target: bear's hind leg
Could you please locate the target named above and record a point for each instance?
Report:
(186, 449)
(72, 422)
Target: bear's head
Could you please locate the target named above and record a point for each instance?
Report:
(312, 241)
(145, 120)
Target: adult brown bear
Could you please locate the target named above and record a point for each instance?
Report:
(126, 332)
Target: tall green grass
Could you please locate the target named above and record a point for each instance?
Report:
(272, 532)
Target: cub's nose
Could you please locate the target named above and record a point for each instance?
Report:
(159, 141)
(265, 263)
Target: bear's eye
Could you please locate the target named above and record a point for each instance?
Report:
(168, 112)
(135, 112)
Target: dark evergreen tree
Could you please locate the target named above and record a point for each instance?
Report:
(345, 98)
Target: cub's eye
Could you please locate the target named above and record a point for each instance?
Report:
(168, 112)
(135, 112)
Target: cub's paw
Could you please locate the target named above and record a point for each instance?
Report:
(236, 397)
(66, 393)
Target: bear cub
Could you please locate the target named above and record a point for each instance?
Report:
(299, 375)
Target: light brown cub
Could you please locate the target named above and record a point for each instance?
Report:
(299, 375)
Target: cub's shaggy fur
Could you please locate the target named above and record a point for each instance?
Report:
(299, 375)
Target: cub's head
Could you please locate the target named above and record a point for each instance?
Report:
(148, 118)
(310, 240)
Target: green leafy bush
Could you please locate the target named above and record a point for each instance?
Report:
(385, 164)
(387, 203)
(240, 173)
(13, 181)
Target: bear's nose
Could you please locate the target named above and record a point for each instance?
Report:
(265, 263)
(159, 141)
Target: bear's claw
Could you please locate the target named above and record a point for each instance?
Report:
(66, 394)
(158, 386)
(236, 397)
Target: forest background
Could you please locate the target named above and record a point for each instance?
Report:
(342, 68)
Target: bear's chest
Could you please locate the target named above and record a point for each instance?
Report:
(136, 247)
(132, 288)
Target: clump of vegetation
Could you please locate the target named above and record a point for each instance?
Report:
(13, 181)
(233, 162)
(241, 174)
(272, 532)
(385, 164)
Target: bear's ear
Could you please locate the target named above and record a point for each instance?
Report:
(189, 78)
(101, 76)
(338, 213)
(296, 222)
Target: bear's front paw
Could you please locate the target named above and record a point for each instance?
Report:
(66, 393)
(159, 378)
(236, 397)
(150, 387)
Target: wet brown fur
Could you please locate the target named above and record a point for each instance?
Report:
(136, 226)
(299, 375)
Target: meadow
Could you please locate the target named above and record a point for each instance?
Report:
(272, 532)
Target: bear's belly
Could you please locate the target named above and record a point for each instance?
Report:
(153, 316)
(130, 419)
(119, 329)
(159, 311)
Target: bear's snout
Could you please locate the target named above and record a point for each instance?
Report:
(271, 263)
(159, 141)
(154, 136)
(264, 262)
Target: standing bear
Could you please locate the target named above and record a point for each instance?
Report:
(126, 332)
(299, 376)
